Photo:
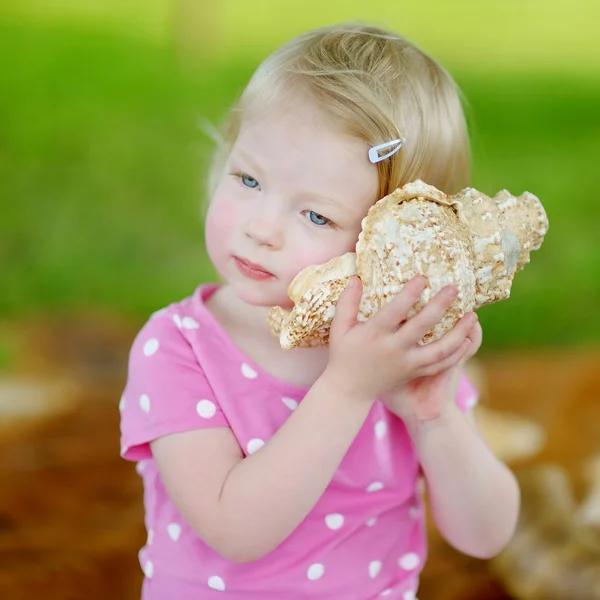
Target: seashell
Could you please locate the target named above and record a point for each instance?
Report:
(468, 240)
(315, 291)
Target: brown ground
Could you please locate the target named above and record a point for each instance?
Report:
(70, 508)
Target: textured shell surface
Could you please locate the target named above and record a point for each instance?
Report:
(315, 291)
(468, 240)
(415, 237)
(505, 230)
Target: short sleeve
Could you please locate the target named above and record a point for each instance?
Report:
(166, 390)
(467, 395)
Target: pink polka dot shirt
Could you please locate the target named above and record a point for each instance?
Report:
(365, 537)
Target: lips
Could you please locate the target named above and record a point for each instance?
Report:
(252, 270)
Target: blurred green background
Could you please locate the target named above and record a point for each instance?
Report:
(102, 156)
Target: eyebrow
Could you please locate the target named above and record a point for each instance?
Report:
(331, 201)
(248, 158)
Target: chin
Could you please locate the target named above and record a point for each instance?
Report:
(254, 295)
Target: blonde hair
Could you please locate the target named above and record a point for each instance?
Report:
(376, 86)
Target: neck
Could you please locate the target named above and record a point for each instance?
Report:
(247, 326)
(229, 309)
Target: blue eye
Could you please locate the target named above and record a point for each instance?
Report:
(317, 219)
(248, 181)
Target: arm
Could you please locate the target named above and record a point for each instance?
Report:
(245, 507)
(474, 497)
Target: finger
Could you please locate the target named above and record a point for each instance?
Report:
(346, 309)
(394, 312)
(454, 359)
(476, 335)
(448, 344)
(431, 314)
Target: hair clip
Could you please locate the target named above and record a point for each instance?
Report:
(374, 151)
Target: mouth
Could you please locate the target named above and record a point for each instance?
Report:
(252, 270)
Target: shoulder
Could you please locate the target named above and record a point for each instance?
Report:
(172, 331)
(167, 390)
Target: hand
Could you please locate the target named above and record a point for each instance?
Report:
(426, 398)
(383, 354)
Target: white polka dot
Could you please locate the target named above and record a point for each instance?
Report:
(151, 346)
(216, 583)
(149, 569)
(409, 561)
(141, 465)
(471, 401)
(334, 520)
(374, 568)
(145, 403)
(290, 403)
(189, 323)
(315, 571)
(150, 536)
(174, 531)
(371, 521)
(248, 371)
(206, 409)
(409, 595)
(375, 486)
(122, 404)
(380, 429)
(254, 445)
(414, 512)
(386, 592)
(177, 321)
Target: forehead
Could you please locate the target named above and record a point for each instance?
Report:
(301, 147)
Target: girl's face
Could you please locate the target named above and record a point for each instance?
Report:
(292, 194)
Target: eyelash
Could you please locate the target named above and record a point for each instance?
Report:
(242, 176)
(327, 223)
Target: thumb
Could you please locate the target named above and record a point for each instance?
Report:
(346, 309)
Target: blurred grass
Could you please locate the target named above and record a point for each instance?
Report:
(513, 34)
(101, 176)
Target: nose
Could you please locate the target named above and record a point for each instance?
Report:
(265, 231)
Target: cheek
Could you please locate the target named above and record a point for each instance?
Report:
(218, 227)
(319, 253)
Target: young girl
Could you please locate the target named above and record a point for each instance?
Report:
(295, 475)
